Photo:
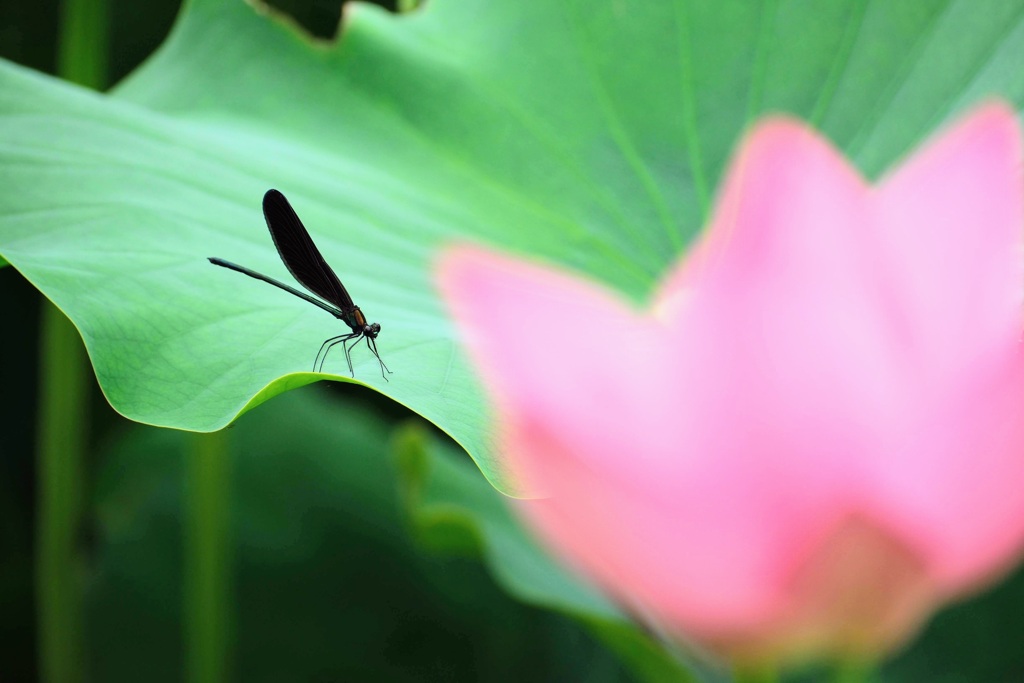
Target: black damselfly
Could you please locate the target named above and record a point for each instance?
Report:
(306, 265)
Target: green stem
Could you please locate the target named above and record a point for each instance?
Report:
(60, 451)
(62, 418)
(82, 52)
(63, 412)
(207, 559)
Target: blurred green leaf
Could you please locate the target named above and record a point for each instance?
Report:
(326, 584)
(588, 134)
(452, 510)
(445, 500)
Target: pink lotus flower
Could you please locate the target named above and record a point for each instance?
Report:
(815, 435)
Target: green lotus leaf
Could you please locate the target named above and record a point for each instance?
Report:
(591, 135)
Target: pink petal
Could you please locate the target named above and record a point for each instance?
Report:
(833, 370)
(949, 222)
